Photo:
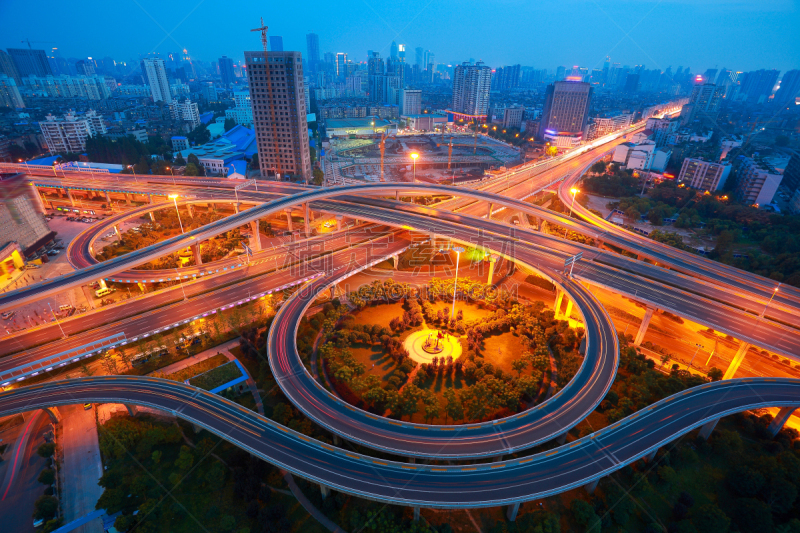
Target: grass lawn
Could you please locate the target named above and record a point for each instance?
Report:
(380, 314)
(501, 350)
(217, 376)
(198, 368)
(471, 311)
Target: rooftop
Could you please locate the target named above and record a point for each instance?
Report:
(366, 122)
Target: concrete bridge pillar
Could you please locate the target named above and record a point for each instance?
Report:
(116, 230)
(307, 219)
(707, 428)
(102, 283)
(650, 456)
(52, 412)
(108, 199)
(326, 491)
(127, 198)
(737, 360)
(568, 312)
(149, 198)
(559, 300)
(198, 259)
(780, 420)
(71, 199)
(152, 216)
(337, 440)
(333, 288)
(397, 195)
(512, 511)
(643, 327)
(190, 210)
(256, 234)
(491, 208)
(132, 410)
(416, 514)
(561, 439)
(339, 219)
(197, 429)
(236, 207)
(591, 486)
(492, 262)
(289, 219)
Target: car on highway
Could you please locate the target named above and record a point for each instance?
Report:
(87, 407)
(8, 314)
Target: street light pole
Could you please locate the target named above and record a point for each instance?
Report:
(574, 192)
(57, 321)
(458, 251)
(175, 199)
(134, 173)
(181, 284)
(414, 157)
(774, 292)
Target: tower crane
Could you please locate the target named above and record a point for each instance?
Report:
(268, 79)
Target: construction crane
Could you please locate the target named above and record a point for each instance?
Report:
(29, 43)
(383, 149)
(263, 30)
(449, 151)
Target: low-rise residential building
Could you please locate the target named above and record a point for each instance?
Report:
(703, 175)
(512, 117)
(758, 181)
(69, 134)
(242, 112)
(179, 143)
(641, 156)
(662, 128)
(186, 111)
(9, 93)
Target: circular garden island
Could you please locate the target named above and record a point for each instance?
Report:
(403, 353)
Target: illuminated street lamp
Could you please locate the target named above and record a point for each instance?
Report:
(175, 199)
(173, 175)
(134, 173)
(414, 156)
(458, 251)
(574, 192)
(56, 318)
(774, 292)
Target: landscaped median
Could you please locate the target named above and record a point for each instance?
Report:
(220, 378)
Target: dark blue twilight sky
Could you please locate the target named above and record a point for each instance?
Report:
(737, 34)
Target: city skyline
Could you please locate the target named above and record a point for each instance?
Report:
(697, 35)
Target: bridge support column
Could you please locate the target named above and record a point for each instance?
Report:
(116, 230)
(559, 299)
(132, 410)
(337, 440)
(256, 234)
(780, 420)
(650, 456)
(289, 219)
(492, 262)
(491, 208)
(52, 412)
(643, 327)
(108, 199)
(339, 219)
(591, 486)
(561, 439)
(198, 259)
(707, 428)
(333, 295)
(71, 199)
(236, 207)
(326, 491)
(416, 514)
(190, 210)
(512, 511)
(307, 219)
(197, 429)
(102, 283)
(127, 199)
(152, 216)
(737, 360)
(397, 195)
(568, 312)
(149, 198)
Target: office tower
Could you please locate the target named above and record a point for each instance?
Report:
(9, 93)
(410, 102)
(156, 75)
(312, 45)
(418, 57)
(566, 108)
(84, 68)
(276, 43)
(703, 104)
(393, 50)
(710, 75)
(69, 134)
(471, 84)
(279, 113)
(758, 84)
(375, 74)
(8, 67)
(30, 62)
(226, 71)
(341, 61)
(631, 83)
(401, 52)
(724, 75)
(606, 67)
(790, 88)
(561, 73)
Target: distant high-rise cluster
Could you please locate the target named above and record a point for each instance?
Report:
(156, 74)
(226, 72)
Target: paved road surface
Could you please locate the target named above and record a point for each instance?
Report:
(82, 466)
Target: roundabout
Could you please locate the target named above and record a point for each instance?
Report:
(423, 346)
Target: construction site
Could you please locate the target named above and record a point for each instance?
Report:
(428, 158)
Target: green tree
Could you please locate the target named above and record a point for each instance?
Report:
(45, 507)
(229, 124)
(156, 457)
(453, 407)
(318, 176)
(47, 477)
(46, 450)
(519, 365)
(431, 403)
(710, 519)
(185, 459)
(715, 374)
(584, 515)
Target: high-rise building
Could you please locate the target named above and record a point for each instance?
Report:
(632, 83)
(758, 181)
(30, 62)
(791, 174)
(703, 104)
(279, 113)
(8, 67)
(226, 71)
(393, 50)
(242, 112)
(566, 109)
(87, 87)
(276, 43)
(186, 111)
(312, 44)
(9, 93)
(419, 53)
(758, 84)
(22, 222)
(156, 75)
(471, 84)
(69, 134)
(376, 79)
(561, 73)
(84, 67)
(506, 78)
(410, 102)
(790, 88)
(702, 175)
(341, 62)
